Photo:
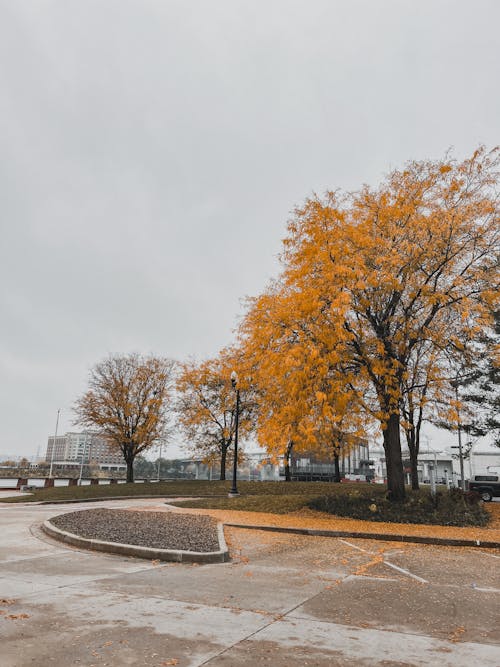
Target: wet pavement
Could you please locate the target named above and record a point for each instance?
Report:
(285, 600)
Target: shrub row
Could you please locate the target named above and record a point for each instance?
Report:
(446, 508)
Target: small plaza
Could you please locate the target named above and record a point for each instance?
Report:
(282, 599)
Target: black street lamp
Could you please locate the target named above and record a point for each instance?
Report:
(234, 382)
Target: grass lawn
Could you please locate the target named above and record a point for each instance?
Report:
(359, 501)
(355, 500)
(264, 490)
(280, 497)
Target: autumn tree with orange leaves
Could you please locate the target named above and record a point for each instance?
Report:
(303, 401)
(374, 274)
(206, 407)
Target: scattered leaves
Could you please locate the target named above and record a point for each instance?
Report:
(456, 634)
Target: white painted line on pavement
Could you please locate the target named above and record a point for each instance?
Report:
(386, 562)
(365, 577)
(407, 572)
(354, 546)
(485, 553)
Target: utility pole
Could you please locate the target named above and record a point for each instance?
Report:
(54, 444)
(82, 457)
(159, 460)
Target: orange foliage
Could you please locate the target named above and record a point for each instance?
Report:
(368, 278)
(127, 403)
(206, 407)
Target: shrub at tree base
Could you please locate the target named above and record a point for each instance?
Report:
(447, 508)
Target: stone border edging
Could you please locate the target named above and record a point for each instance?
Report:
(388, 537)
(175, 555)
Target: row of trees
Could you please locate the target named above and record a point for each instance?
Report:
(382, 317)
(137, 401)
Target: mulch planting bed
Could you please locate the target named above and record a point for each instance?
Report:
(157, 530)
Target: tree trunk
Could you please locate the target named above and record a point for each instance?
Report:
(414, 472)
(288, 455)
(128, 456)
(413, 449)
(392, 447)
(336, 460)
(223, 457)
(130, 469)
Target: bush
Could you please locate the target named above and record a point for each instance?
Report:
(446, 508)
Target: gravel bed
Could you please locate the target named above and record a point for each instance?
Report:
(158, 530)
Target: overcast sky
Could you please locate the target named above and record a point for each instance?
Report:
(152, 150)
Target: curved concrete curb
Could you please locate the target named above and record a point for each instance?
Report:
(386, 537)
(174, 555)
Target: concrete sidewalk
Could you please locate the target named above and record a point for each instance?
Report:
(285, 600)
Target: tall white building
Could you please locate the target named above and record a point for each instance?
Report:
(76, 448)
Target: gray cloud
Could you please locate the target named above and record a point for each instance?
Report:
(152, 151)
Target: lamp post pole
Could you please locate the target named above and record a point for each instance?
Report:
(234, 382)
(54, 445)
(460, 452)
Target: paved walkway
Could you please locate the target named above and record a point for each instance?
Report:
(283, 600)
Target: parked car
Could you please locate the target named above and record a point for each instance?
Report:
(487, 485)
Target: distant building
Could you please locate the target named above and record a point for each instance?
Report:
(317, 466)
(447, 465)
(255, 466)
(484, 461)
(73, 449)
(440, 463)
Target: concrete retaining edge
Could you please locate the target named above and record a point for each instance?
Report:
(386, 537)
(171, 555)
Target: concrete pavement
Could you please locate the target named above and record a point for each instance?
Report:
(285, 600)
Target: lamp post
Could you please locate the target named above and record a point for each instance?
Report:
(234, 382)
(460, 452)
(54, 445)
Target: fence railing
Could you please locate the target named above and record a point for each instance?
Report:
(25, 483)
